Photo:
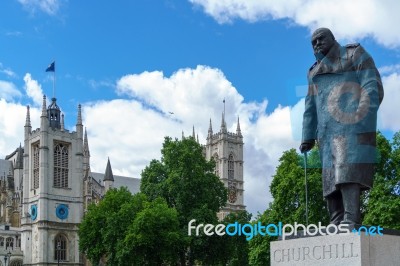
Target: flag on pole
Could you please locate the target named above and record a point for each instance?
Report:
(51, 67)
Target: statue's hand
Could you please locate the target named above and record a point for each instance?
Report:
(307, 145)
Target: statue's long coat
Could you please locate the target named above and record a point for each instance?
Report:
(345, 91)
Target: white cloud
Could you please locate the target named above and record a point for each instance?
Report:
(50, 7)
(184, 93)
(387, 70)
(8, 91)
(388, 115)
(12, 121)
(347, 19)
(131, 133)
(7, 71)
(33, 89)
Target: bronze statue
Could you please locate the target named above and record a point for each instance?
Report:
(344, 94)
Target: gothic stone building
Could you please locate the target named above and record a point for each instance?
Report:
(46, 186)
(227, 150)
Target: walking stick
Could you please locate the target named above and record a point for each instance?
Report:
(305, 181)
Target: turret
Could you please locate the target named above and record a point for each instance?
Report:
(238, 131)
(86, 153)
(62, 122)
(19, 162)
(27, 127)
(108, 177)
(44, 122)
(210, 130)
(54, 114)
(79, 125)
(43, 152)
(223, 124)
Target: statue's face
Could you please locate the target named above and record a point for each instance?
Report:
(322, 40)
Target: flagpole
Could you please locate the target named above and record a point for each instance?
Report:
(54, 80)
(54, 84)
(52, 68)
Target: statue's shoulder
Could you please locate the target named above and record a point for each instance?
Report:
(356, 50)
(352, 45)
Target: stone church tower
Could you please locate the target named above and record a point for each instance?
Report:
(227, 150)
(52, 189)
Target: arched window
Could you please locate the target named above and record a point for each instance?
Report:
(17, 262)
(61, 165)
(231, 171)
(1, 241)
(9, 243)
(35, 181)
(60, 248)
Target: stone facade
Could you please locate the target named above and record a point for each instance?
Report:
(45, 189)
(227, 150)
(46, 186)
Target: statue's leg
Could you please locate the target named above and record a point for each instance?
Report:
(351, 203)
(335, 207)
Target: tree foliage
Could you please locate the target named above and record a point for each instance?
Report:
(381, 205)
(237, 246)
(289, 199)
(153, 238)
(104, 225)
(119, 229)
(186, 180)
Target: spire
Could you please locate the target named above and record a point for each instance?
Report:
(223, 124)
(197, 138)
(62, 122)
(28, 117)
(86, 151)
(19, 161)
(44, 106)
(183, 135)
(210, 131)
(79, 121)
(193, 134)
(108, 176)
(238, 131)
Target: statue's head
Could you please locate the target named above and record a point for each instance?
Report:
(322, 41)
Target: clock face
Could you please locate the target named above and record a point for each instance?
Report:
(62, 211)
(232, 193)
(34, 212)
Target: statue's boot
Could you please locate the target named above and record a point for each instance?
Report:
(351, 203)
(335, 207)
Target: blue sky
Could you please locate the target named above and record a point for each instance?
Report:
(130, 63)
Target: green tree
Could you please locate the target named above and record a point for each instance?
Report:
(105, 224)
(153, 238)
(186, 180)
(127, 229)
(288, 189)
(289, 200)
(259, 246)
(237, 246)
(382, 202)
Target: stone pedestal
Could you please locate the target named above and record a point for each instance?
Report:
(341, 249)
